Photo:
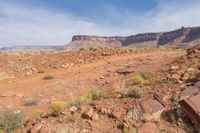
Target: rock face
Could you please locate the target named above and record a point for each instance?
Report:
(82, 41)
(146, 39)
(192, 107)
(97, 38)
(177, 38)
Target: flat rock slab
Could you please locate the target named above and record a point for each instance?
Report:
(125, 71)
(151, 106)
(188, 92)
(148, 128)
(192, 107)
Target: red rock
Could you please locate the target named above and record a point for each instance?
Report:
(125, 71)
(151, 106)
(117, 113)
(30, 123)
(175, 76)
(36, 128)
(95, 116)
(151, 109)
(188, 92)
(91, 114)
(148, 128)
(192, 107)
(88, 114)
(103, 111)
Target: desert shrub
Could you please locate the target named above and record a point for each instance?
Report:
(134, 93)
(30, 102)
(48, 77)
(38, 114)
(76, 103)
(119, 87)
(58, 107)
(146, 75)
(87, 97)
(96, 94)
(139, 80)
(10, 119)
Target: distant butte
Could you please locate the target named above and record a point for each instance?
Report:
(185, 36)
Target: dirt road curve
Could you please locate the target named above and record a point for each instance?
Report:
(76, 80)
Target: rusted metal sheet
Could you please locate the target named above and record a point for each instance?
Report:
(192, 107)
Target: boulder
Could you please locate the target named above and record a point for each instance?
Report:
(90, 114)
(117, 113)
(149, 109)
(151, 106)
(191, 106)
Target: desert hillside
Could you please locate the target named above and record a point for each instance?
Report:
(119, 89)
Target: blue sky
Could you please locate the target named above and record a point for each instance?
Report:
(54, 22)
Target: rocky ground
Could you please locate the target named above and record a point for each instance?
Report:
(100, 90)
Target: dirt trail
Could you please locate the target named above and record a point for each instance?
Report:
(80, 78)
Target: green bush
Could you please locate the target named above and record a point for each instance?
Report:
(58, 107)
(10, 119)
(95, 94)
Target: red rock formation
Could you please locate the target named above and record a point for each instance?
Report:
(177, 38)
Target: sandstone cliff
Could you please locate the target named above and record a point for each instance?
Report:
(177, 38)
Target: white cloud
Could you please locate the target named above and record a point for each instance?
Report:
(23, 25)
(165, 16)
(20, 25)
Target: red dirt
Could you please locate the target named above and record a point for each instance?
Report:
(80, 78)
(72, 82)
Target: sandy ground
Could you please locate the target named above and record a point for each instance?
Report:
(79, 78)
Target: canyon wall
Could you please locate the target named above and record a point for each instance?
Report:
(177, 38)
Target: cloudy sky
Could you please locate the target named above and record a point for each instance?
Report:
(54, 22)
